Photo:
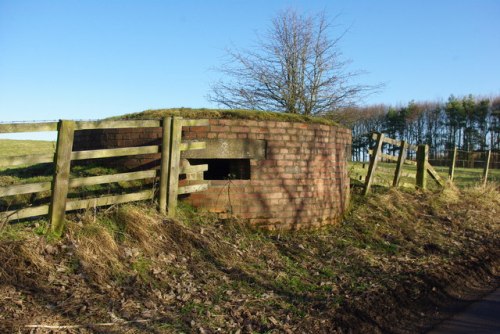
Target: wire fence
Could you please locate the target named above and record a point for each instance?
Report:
(468, 159)
(469, 168)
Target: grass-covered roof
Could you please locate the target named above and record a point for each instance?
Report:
(226, 114)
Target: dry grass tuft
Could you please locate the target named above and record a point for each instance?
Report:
(449, 194)
(23, 261)
(96, 249)
(139, 227)
(487, 195)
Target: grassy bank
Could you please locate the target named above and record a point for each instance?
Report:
(396, 258)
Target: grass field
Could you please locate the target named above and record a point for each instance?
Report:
(25, 174)
(10, 147)
(384, 175)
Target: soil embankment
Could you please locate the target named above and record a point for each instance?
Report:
(393, 266)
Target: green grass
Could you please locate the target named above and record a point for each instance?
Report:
(25, 174)
(11, 147)
(469, 176)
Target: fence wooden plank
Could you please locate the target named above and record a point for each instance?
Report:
(60, 181)
(24, 213)
(195, 122)
(175, 158)
(388, 157)
(451, 171)
(393, 158)
(116, 124)
(399, 166)
(114, 152)
(396, 142)
(93, 180)
(63, 156)
(486, 168)
(435, 176)
(195, 177)
(193, 145)
(165, 163)
(192, 188)
(373, 163)
(422, 162)
(194, 169)
(26, 160)
(76, 205)
(29, 188)
(28, 127)
(108, 200)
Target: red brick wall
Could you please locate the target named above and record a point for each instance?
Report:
(301, 183)
(116, 138)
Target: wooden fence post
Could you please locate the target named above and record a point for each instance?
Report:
(174, 162)
(422, 157)
(60, 181)
(451, 171)
(486, 168)
(377, 150)
(401, 160)
(165, 163)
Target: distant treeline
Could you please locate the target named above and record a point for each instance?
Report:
(470, 123)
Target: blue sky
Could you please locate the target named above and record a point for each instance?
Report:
(92, 59)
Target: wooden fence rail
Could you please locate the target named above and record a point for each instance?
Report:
(422, 163)
(168, 174)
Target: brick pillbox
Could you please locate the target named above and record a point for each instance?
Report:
(275, 175)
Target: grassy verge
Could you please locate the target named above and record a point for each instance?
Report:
(389, 267)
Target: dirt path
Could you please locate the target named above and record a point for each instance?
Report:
(482, 316)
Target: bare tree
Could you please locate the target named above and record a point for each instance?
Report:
(296, 68)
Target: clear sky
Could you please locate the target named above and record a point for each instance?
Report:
(91, 59)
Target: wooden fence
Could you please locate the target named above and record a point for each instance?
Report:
(168, 173)
(422, 163)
